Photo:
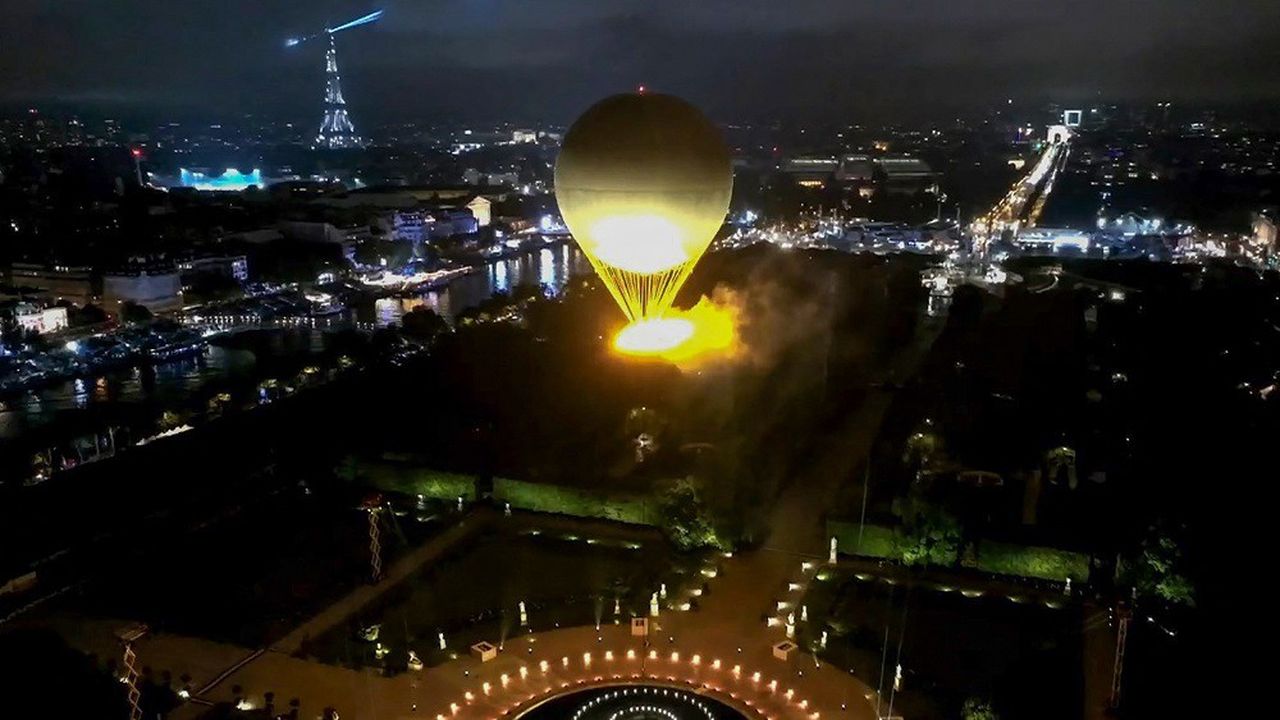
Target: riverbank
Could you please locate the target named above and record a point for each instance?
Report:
(54, 412)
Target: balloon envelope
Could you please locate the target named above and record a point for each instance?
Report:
(643, 182)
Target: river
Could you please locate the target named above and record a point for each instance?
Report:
(172, 383)
(550, 267)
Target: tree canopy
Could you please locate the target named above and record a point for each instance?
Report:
(929, 535)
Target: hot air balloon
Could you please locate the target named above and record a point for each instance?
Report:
(643, 182)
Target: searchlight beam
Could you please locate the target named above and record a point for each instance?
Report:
(363, 20)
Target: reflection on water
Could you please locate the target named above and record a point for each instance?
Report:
(499, 272)
(173, 383)
(547, 266)
(170, 383)
(550, 267)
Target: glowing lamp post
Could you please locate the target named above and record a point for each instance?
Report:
(136, 154)
(643, 182)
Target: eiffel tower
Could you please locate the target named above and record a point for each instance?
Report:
(336, 130)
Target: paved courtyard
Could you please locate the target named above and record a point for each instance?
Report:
(724, 649)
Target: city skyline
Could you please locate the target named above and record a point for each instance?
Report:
(634, 359)
(489, 58)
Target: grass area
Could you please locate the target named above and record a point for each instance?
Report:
(252, 576)
(473, 594)
(541, 497)
(1032, 562)
(409, 479)
(1025, 657)
(1024, 561)
(875, 540)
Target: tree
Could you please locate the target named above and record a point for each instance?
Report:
(929, 534)
(685, 517)
(1155, 570)
(132, 313)
(170, 420)
(495, 303)
(88, 315)
(977, 709)
(373, 252)
(423, 324)
(528, 291)
(925, 451)
(11, 333)
(211, 287)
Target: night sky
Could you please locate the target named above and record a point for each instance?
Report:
(547, 59)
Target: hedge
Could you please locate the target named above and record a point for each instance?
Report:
(1032, 562)
(540, 497)
(410, 479)
(877, 540)
(1044, 563)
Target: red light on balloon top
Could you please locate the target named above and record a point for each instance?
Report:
(136, 152)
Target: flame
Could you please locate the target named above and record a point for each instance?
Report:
(653, 337)
(707, 332)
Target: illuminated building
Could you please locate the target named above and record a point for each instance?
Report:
(336, 130)
(1131, 223)
(156, 291)
(904, 167)
(856, 169)
(1265, 234)
(884, 235)
(906, 174)
(417, 226)
(39, 320)
(231, 180)
(235, 267)
(472, 176)
(478, 201)
(1053, 239)
(482, 209)
(811, 171)
(56, 282)
(1058, 134)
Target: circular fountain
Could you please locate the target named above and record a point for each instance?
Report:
(632, 702)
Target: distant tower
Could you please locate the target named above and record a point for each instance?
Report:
(336, 130)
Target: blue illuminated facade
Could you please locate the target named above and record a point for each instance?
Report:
(230, 179)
